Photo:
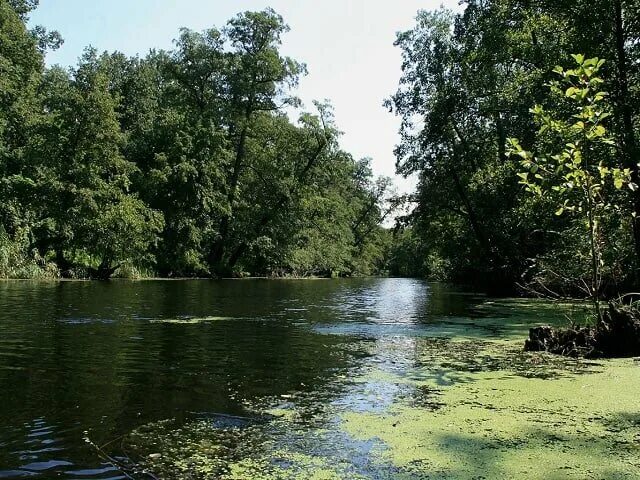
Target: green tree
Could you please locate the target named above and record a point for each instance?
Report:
(21, 66)
(259, 81)
(580, 174)
(89, 216)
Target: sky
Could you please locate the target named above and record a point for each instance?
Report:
(346, 44)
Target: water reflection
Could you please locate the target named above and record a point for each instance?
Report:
(106, 357)
(81, 356)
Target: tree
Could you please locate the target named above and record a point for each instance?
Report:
(259, 79)
(444, 131)
(578, 175)
(89, 216)
(21, 66)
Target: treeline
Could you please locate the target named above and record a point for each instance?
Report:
(469, 81)
(181, 163)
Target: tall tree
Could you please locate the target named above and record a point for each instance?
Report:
(90, 217)
(21, 66)
(259, 82)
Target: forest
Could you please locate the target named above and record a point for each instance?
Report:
(473, 81)
(186, 162)
(181, 163)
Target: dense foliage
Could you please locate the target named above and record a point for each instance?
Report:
(469, 83)
(181, 163)
(575, 168)
(188, 163)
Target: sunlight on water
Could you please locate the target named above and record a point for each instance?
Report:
(259, 373)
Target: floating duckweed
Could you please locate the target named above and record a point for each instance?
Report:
(498, 424)
(462, 402)
(261, 451)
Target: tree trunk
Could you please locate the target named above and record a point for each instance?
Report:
(104, 271)
(502, 139)
(471, 215)
(240, 250)
(629, 146)
(63, 264)
(216, 257)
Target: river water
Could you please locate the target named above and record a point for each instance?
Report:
(107, 357)
(98, 360)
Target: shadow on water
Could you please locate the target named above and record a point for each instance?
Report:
(81, 356)
(242, 366)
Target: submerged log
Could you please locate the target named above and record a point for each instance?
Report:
(572, 342)
(617, 334)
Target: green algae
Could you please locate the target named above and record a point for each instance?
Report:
(511, 319)
(456, 399)
(200, 449)
(500, 424)
(190, 320)
(292, 466)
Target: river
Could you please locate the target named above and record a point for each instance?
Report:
(283, 379)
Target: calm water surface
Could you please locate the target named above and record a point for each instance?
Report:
(105, 358)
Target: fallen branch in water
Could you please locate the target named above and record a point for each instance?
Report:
(128, 470)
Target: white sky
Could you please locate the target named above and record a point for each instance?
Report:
(346, 44)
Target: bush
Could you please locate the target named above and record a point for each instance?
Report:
(16, 261)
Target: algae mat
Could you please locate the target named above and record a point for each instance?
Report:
(499, 424)
(455, 398)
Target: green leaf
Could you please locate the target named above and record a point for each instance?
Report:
(579, 58)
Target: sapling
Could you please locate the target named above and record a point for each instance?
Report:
(576, 166)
